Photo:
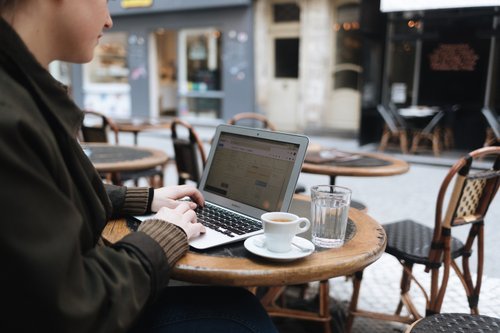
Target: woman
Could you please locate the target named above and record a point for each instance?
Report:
(56, 276)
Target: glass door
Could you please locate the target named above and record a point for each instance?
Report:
(199, 79)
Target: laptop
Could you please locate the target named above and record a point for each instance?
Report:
(249, 172)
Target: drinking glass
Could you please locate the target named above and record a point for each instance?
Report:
(329, 211)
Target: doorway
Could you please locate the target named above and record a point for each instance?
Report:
(164, 73)
(284, 31)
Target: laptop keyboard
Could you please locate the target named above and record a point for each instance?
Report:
(225, 222)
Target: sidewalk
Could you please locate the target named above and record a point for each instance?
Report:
(411, 195)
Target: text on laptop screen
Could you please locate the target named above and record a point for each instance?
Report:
(253, 171)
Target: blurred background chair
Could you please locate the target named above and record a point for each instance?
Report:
(96, 127)
(455, 322)
(394, 130)
(250, 119)
(493, 129)
(435, 248)
(190, 157)
(431, 132)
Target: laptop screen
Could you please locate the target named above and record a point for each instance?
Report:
(254, 171)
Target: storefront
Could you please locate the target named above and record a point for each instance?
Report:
(189, 58)
(445, 58)
(308, 64)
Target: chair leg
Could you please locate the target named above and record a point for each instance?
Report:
(403, 142)
(448, 138)
(324, 308)
(116, 179)
(415, 142)
(405, 300)
(490, 138)
(353, 306)
(472, 291)
(384, 140)
(436, 136)
(405, 287)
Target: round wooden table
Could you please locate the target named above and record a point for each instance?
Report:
(233, 265)
(358, 164)
(114, 158)
(366, 165)
(118, 163)
(137, 125)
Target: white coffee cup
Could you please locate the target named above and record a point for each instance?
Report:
(280, 228)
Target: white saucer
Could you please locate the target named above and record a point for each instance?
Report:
(294, 253)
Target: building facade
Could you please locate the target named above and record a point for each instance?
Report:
(308, 63)
(298, 62)
(445, 58)
(191, 58)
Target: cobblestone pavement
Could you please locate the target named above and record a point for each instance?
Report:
(379, 292)
(388, 199)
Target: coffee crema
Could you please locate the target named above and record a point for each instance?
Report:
(280, 220)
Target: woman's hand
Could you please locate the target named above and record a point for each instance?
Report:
(182, 216)
(168, 197)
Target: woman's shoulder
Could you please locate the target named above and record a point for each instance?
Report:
(14, 95)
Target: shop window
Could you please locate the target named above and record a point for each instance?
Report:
(110, 60)
(105, 78)
(456, 62)
(286, 12)
(199, 78)
(202, 54)
(401, 72)
(286, 57)
(348, 47)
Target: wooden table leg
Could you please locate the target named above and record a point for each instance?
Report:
(323, 316)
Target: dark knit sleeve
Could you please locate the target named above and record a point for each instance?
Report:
(136, 201)
(171, 238)
(129, 200)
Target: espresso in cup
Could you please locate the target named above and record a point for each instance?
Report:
(280, 228)
(281, 220)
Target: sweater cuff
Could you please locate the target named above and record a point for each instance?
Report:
(150, 200)
(136, 201)
(171, 238)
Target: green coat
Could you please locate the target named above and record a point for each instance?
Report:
(54, 206)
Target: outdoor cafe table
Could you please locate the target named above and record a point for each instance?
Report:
(112, 161)
(364, 165)
(137, 125)
(115, 158)
(360, 164)
(233, 265)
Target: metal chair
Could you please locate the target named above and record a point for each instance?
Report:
(393, 130)
(455, 322)
(493, 130)
(435, 248)
(95, 128)
(190, 157)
